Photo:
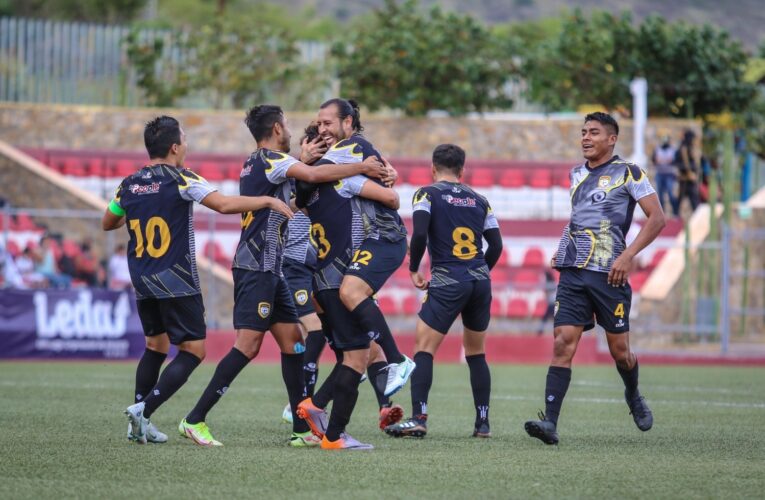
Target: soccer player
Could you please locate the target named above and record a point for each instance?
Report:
(157, 204)
(338, 226)
(594, 262)
(384, 246)
(262, 299)
(452, 220)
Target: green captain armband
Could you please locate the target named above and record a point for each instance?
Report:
(116, 209)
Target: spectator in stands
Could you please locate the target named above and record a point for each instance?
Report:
(25, 263)
(49, 267)
(9, 274)
(119, 274)
(688, 166)
(663, 159)
(86, 265)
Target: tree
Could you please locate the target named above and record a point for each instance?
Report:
(102, 11)
(415, 63)
(162, 81)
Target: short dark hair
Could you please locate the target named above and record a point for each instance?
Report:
(160, 134)
(346, 108)
(449, 157)
(311, 132)
(261, 120)
(604, 119)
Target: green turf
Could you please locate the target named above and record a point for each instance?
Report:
(64, 436)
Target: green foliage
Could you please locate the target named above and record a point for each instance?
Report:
(415, 63)
(103, 11)
(754, 124)
(161, 81)
(691, 71)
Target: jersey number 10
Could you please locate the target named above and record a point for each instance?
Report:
(153, 226)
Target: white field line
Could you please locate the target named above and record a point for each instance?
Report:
(651, 401)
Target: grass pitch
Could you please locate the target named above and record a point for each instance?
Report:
(64, 436)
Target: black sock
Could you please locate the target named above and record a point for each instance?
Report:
(371, 319)
(422, 379)
(346, 394)
(173, 377)
(323, 395)
(630, 378)
(379, 380)
(480, 382)
(225, 373)
(314, 343)
(292, 373)
(558, 379)
(147, 373)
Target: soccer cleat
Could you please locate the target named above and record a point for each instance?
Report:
(153, 435)
(199, 433)
(390, 415)
(398, 375)
(542, 429)
(304, 440)
(315, 417)
(287, 414)
(482, 430)
(640, 412)
(138, 424)
(411, 427)
(345, 442)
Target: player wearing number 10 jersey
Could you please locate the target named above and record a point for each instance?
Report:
(157, 204)
(453, 220)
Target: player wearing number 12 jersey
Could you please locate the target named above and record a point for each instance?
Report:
(453, 220)
(157, 202)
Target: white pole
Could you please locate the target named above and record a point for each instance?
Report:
(639, 91)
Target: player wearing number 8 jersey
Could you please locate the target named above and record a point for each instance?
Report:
(594, 262)
(157, 204)
(453, 220)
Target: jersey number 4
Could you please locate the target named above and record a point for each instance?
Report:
(156, 226)
(464, 243)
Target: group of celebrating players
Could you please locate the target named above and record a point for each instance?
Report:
(320, 237)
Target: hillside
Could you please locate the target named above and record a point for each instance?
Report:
(744, 19)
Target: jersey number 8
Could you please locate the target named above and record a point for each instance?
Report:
(152, 226)
(464, 243)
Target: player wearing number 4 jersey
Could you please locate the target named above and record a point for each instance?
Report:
(262, 300)
(157, 202)
(594, 262)
(453, 220)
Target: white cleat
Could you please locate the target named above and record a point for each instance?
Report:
(153, 435)
(398, 375)
(138, 424)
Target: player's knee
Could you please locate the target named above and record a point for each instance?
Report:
(563, 348)
(350, 296)
(621, 356)
(248, 347)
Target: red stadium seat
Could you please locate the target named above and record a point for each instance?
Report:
(480, 177)
(386, 304)
(96, 167)
(212, 171)
(657, 256)
(73, 166)
(539, 308)
(562, 180)
(500, 276)
(12, 248)
(540, 178)
(534, 258)
(214, 251)
(638, 279)
(528, 277)
(504, 258)
(496, 307)
(512, 178)
(124, 167)
(419, 176)
(24, 223)
(411, 305)
(70, 248)
(232, 170)
(518, 308)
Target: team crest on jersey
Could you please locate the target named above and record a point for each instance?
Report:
(604, 181)
(264, 309)
(301, 297)
(557, 306)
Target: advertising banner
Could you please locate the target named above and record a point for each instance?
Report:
(75, 324)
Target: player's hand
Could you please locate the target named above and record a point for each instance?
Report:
(311, 151)
(620, 270)
(419, 281)
(391, 174)
(372, 167)
(280, 207)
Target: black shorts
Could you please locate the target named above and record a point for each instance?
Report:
(182, 318)
(347, 335)
(376, 261)
(260, 300)
(583, 293)
(299, 280)
(472, 299)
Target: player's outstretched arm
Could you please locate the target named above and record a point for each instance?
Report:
(385, 195)
(111, 221)
(371, 167)
(494, 250)
(239, 204)
(654, 223)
